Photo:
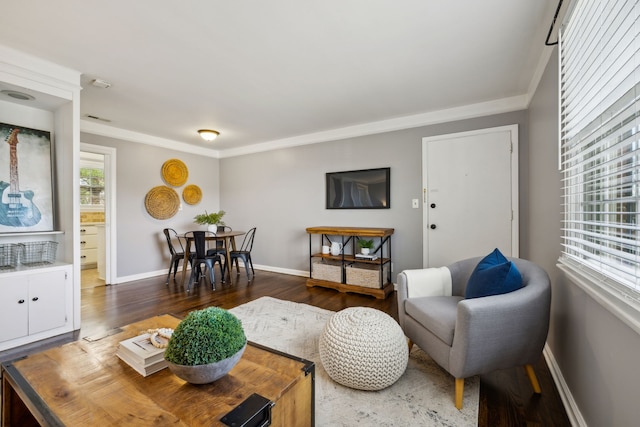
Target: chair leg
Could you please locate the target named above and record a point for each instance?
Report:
(175, 267)
(212, 274)
(459, 392)
(168, 275)
(253, 273)
(194, 272)
(533, 379)
(222, 270)
(246, 266)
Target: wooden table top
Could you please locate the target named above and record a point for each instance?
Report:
(351, 231)
(85, 383)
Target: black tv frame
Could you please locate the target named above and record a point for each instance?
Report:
(378, 180)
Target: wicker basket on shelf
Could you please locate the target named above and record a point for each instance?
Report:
(327, 270)
(366, 275)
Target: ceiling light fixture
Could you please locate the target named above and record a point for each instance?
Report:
(208, 134)
(18, 95)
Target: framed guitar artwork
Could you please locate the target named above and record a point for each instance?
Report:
(26, 196)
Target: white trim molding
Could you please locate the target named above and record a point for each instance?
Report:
(624, 306)
(142, 138)
(570, 405)
(498, 106)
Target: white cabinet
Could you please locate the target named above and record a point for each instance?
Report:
(56, 109)
(88, 246)
(35, 304)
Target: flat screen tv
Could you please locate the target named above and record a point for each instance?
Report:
(360, 189)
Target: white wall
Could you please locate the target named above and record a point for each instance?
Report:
(596, 353)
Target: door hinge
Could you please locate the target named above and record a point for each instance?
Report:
(424, 195)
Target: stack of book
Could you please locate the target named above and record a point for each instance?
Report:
(371, 257)
(141, 355)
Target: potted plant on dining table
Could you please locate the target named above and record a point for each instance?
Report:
(211, 220)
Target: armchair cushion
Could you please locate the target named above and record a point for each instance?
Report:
(437, 314)
(494, 275)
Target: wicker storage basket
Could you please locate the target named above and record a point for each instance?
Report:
(366, 275)
(34, 253)
(9, 255)
(326, 270)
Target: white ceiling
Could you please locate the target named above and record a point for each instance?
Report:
(284, 70)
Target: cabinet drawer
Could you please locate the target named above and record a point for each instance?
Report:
(88, 256)
(88, 229)
(89, 241)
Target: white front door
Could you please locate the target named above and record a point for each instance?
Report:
(470, 183)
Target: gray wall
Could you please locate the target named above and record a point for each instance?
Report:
(596, 352)
(142, 248)
(282, 192)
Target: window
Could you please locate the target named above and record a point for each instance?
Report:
(600, 156)
(92, 187)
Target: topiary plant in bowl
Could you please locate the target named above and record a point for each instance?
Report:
(205, 345)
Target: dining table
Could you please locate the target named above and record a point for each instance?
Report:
(229, 239)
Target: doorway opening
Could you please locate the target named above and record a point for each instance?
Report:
(97, 215)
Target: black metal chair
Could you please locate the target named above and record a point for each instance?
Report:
(220, 249)
(244, 253)
(177, 252)
(201, 257)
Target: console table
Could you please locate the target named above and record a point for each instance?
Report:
(84, 383)
(346, 272)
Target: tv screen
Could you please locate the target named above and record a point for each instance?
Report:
(361, 189)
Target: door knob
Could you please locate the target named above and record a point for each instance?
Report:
(433, 205)
(432, 226)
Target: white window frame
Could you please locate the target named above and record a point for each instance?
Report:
(84, 164)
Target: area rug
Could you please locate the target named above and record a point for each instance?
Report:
(423, 396)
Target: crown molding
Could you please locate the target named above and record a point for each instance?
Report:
(498, 106)
(142, 138)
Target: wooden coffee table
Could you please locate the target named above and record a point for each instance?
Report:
(84, 383)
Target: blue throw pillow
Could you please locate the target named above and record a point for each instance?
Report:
(494, 275)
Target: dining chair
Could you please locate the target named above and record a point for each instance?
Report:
(244, 253)
(219, 248)
(177, 252)
(200, 257)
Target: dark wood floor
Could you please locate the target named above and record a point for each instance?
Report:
(506, 397)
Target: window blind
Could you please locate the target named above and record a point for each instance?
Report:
(600, 160)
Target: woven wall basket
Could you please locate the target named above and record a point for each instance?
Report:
(175, 172)
(162, 202)
(192, 194)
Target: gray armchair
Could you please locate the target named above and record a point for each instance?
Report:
(469, 337)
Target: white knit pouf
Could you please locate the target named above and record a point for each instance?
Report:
(363, 348)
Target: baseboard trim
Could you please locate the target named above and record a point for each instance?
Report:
(570, 405)
(150, 274)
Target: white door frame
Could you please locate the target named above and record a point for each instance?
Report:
(110, 238)
(515, 223)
